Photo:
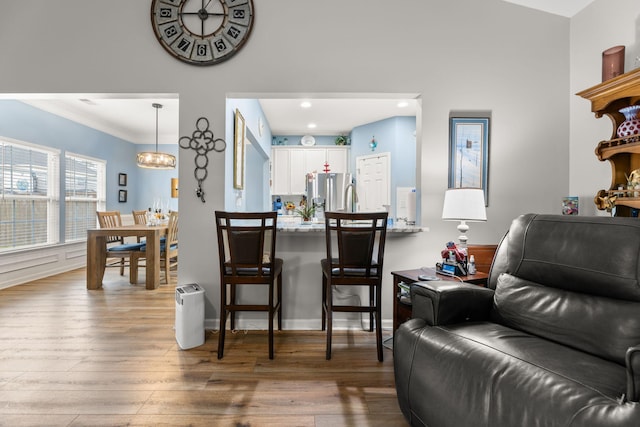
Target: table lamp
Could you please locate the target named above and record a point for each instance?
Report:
(464, 204)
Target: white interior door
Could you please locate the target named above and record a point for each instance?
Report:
(373, 182)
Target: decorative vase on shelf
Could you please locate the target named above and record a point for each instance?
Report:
(631, 124)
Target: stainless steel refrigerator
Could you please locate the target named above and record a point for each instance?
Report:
(331, 192)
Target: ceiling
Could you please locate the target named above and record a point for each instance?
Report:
(132, 117)
(333, 115)
(566, 8)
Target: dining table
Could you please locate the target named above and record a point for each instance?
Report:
(97, 248)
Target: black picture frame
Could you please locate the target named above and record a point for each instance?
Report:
(122, 196)
(122, 179)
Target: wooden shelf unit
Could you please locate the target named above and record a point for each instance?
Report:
(607, 98)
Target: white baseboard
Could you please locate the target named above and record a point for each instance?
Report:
(28, 265)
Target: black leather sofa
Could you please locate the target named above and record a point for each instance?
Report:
(554, 339)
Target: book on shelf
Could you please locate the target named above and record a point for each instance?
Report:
(404, 294)
(570, 205)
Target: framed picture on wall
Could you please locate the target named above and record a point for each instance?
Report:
(469, 153)
(122, 179)
(122, 196)
(238, 151)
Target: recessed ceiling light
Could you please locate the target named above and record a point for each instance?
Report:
(305, 104)
(312, 125)
(403, 104)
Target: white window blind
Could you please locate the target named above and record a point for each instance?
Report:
(84, 194)
(29, 195)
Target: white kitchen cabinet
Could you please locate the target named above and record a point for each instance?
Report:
(289, 165)
(297, 170)
(280, 170)
(338, 159)
(314, 159)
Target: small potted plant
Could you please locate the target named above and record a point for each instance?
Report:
(306, 212)
(341, 140)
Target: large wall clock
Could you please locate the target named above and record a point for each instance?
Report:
(202, 32)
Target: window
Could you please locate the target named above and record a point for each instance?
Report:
(84, 194)
(29, 195)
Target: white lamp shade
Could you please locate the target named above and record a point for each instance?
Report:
(464, 204)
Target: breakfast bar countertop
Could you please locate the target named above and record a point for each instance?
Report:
(318, 227)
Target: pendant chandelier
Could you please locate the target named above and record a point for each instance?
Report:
(155, 159)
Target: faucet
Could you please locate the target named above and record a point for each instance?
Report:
(354, 198)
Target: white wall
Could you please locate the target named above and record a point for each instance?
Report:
(605, 23)
(458, 54)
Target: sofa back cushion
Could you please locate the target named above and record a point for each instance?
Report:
(601, 326)
(571, 279)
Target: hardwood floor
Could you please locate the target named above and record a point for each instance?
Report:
(72, 357)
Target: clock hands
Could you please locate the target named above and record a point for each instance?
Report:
(203, 14)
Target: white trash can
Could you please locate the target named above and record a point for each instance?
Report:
(189, 316)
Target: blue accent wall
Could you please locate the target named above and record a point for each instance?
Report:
(395, 135)
(153, 185)
(323, 140)
(254, 197)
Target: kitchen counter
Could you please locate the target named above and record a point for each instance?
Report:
(293, 225)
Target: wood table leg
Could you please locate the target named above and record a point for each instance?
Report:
(96, 261)
(152, 278)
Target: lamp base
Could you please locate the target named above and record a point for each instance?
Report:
(462, 229)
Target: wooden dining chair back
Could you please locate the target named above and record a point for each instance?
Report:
(355, 252)
(169, 248)
(247, 256)
(168, 251)
(116, 246)
(139, 218)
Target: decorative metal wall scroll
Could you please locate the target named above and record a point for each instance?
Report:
(202, 141)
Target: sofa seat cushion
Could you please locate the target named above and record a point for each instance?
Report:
(478, 373)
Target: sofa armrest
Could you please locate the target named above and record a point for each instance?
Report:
(632, 360)
(444, 302)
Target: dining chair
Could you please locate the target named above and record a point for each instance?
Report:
(116, 246)
(247, 256)
(355, 252)
(168, 250)
(139, 218)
